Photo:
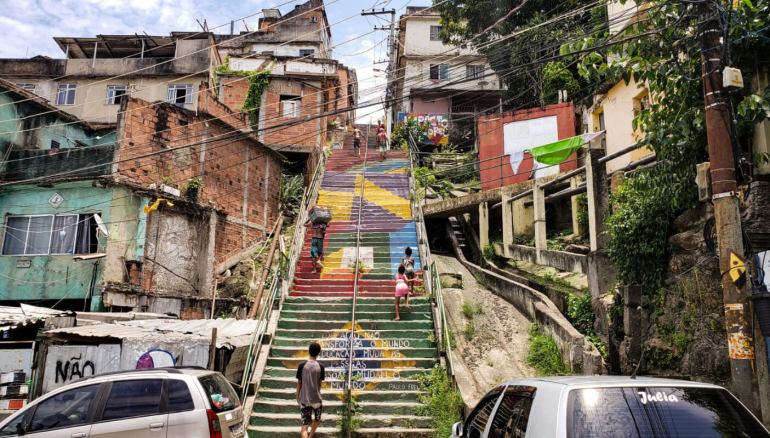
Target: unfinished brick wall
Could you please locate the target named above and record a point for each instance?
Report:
(241, 177)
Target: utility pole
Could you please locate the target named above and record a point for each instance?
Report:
(724, 188)
(391, 76)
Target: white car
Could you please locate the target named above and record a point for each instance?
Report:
(607, 407)
(151, 403)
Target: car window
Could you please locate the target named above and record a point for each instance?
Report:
(179, 398)
(12, 428)
(220, 393)
(133, 398)
(659, 411)
(513, 413)
(67, 409)
(478, 420)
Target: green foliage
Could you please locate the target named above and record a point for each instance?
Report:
(471, 309)
(350, 418)
(292, 189)
(491, 255)
(582, 213)
(532, 38)
(523, 239)
(440, 400)
(580, 313)
(426, 178)
(400, 134)
(258, 82)
(195, 182)
(544, 355)
(469, 331)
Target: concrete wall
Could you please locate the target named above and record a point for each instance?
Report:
(496, 170)
(617, 107)
(621, 14)
(418, 42)
(561, 260)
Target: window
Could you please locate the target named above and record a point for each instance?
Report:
(180, 94)
(50, 234)
(179, 398)
(55, 145)
(290, 105)
(474, 71)
(221, 395)
(435, 33)
(513, 413)
(27, 87)
(133, 398)
(306, 52)
(477, 422)
(70, 408)
(641, 102)
(314, 19)
(439, 72)
(114, 92)
(66, 94)
(659, 411)
(13, 428)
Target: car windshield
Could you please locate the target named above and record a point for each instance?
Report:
(659, 412)
(220, 393)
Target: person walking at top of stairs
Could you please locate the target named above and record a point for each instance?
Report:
(317, 242)
(310, 374)
(382, 139)
(357, 141)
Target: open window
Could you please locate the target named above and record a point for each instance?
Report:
(51, 234)
(290, 106)
(180, 94)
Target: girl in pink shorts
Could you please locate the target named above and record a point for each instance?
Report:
(402, 290)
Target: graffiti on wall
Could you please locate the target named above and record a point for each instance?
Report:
(437, 124)
(67, 364)
(156, 358)
(73, 369)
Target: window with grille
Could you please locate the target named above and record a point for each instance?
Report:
(27, 87)
(435, 33)
(290, 106)
(474, 71)
(66, 94)
(50, 234)
(306, 52)
(439, 72)
(114, 92)
(180, 94)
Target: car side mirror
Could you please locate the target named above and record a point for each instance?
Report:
(20, 430)
(457, 429)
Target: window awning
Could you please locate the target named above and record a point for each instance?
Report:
(559, 151)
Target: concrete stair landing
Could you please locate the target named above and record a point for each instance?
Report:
(388, 355)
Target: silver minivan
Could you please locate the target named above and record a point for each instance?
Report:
(151, 403)
(608, 407)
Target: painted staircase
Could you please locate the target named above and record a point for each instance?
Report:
(387, 354)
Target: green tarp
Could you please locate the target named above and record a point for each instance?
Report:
(555, 153)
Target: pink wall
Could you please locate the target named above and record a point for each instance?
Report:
(431, 106)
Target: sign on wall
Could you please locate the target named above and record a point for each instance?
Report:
(438, 126)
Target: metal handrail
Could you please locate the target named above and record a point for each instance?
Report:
(351, 343)
(431, 279)
(309, 196)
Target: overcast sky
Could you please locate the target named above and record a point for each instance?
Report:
(30, 25)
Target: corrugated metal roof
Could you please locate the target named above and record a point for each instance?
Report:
(230, 332)
(11, 317)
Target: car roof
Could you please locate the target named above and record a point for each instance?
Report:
(608, 381)
(193, 371)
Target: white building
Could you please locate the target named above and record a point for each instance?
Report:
(436, 78)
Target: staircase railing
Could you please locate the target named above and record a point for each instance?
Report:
(431, 278)
(357, 273)
(279, 286)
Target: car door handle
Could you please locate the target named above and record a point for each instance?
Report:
(79, 435)
(156, 426)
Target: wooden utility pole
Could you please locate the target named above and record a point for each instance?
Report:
(256, 305)
(389, 106)
(724, 188)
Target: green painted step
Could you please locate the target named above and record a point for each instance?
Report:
(335, 407)
(379, 385)
(336, 343)
(417, 306)
(320, 334)
(381, 315)
(364, 324)
(390, 363)
(335, 395)
(365, 352)
(339, 373)
(329, 432)
(406, 421)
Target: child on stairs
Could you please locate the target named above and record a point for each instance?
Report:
(402, 290)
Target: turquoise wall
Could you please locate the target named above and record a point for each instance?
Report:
(58, 276)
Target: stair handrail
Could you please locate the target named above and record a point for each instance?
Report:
(309, 197)
(431, 279)
(356, 270)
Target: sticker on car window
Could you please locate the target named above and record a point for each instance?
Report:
(657, 397)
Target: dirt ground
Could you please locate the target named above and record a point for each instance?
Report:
(497, 349)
